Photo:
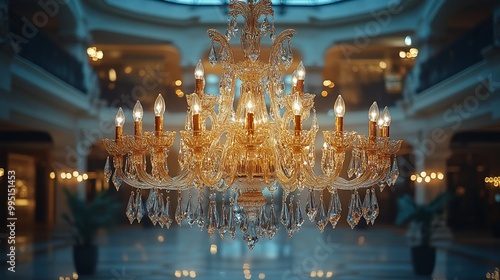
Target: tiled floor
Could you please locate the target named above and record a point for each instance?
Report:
(133, 253)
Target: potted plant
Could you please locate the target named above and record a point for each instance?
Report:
(86, 219)
(426, 224)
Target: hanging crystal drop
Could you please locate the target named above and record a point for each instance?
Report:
(188, 213)
(117, 181)
(212, 221)
(374, 206)
(290, 223)
(335, 209)
(321, 218)
(178, 209)
(212, 57)
(131, 208)
(150, 202)
(223, 225)
(161, 207)
(311, 208)
(355, 212)
(394, 171)
(367, 207)
(274, 224)
(251, 237)
(381, 186)
(264, 27)
(360, 163)
(272, 33)
(284, 210)
(230, 218)
(107, 170)
(166, 213)
(299, 219)
(263, 222)
(199, 213)
(139, 207)
(352, 167)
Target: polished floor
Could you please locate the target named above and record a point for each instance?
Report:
(133, 253)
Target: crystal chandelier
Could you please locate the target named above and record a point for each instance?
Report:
(230, 156)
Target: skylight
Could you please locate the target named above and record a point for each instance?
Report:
(275, 2)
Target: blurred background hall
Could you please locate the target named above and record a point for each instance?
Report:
(66, 66)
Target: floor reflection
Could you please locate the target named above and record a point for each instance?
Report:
(186, 253)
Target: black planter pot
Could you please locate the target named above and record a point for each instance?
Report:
(85, 259)
(423, 258)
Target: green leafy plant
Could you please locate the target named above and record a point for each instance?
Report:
(422, 218)
(88, 218)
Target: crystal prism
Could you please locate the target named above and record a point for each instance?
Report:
(107, 170)
(355, 211)
(251, 237)
(131, 208)
(188, 213)
(321, 217)
(230, 219)
(335, 209)
(178, 211)
(150, 203)
(367, 207)
(263, 221)
(166, 213)
(284, 211)
(273, 225)
(117, 181)
(311, 208)
(374, 207)
(139, 207)
(299, 219)
(212, 57)
(352, 167)
(199, 214)
(394, 171)
(290, 222)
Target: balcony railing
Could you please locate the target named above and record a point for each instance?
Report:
(461, 54)
(47, 54)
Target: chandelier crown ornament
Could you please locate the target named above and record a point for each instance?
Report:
(250, 147)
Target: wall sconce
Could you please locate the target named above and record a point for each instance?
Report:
(426, 176)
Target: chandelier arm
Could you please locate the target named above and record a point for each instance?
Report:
(132, 183)
(275, 48)
(263, 8)
(285, 180)
(180, 181)
(239, 8)
(217, 37)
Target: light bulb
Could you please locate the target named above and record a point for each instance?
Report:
(120, 118)
(250, 104)
(386, 116)
(339, 107)
(159, 106)
(297, 105)
(294, 78)
(199, 71)
(301, 71)
(138, 112)
(196, 103)
(380, 122)
(373, 112)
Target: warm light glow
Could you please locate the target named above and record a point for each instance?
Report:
(196, 104)
(159, 106)
(52, 175)
(419, 180)
(75, 173)
(178, 274)
(192, 274)
(329, 274)
(262, 276)
(297, 105)
(440, 176)
(160, 238)
(301, 71)
(2, 172)
(68, 175)
(128, 70)
(112, 74)
(313, 273)
(413, 177)
(138, 112)
(246, 266)
(386, 116)
(63, 175)
(85, 176)
(382, 65)
(324, 93)
(178, 83)
(327, 83)
(185, 273)
(248, 276)
(423, 174)
(79, 178)
(294, 78)
(433, 175)
(380, 122)
(427, 179)
(120, 118)
(75, 275)
(213, 249)
(373, 112)
(402, 54)
(339, 107)
(199, 71)
(320, 273)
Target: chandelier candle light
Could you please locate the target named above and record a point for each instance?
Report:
(251, 148)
